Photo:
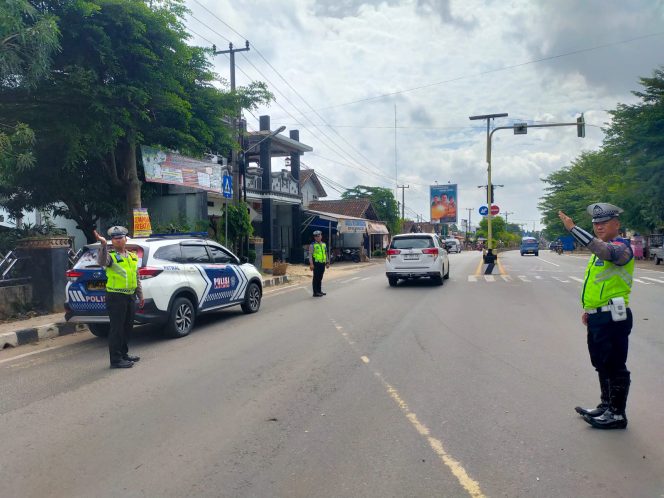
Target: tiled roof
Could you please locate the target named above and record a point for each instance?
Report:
(359, 208)
(305, 175)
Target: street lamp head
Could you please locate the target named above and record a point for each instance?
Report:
(488, 116)
(279, 130)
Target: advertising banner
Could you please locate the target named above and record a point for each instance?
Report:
(443, 201)
(352, 226)
(176, 169)
(142, 227)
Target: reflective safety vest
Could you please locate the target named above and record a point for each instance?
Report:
(605, 280)
(121, 275)
(320, 252)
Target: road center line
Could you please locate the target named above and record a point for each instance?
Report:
(549, 262)
(471, 486)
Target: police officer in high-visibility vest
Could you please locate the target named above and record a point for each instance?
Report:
(123, 288)
(605, 297)
(318, 261)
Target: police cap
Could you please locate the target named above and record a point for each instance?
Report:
(117, 231)
(317, 232)
(603, 211)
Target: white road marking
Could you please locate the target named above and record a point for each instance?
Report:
(524, 279)
(472, 278)
(24, 355)
(580, 280)
(364, 359)
(349, 280)
(365, 278)
(539, 277)
(561, 280)
(506, 278)
(549, 262)
(642, 282)
(654, 279)
(489, 278)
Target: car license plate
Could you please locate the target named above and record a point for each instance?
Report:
(411, 256)
(96, 286)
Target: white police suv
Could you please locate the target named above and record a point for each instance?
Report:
(182, 275)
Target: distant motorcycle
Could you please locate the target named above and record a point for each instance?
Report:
(559, 249)
(347, 255)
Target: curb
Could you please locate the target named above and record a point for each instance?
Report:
(270, 282)
(36, 334)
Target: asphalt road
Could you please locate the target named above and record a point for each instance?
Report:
(462, 390)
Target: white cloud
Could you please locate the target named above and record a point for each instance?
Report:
(454, 53)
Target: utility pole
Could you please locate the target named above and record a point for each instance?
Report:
(470, 210)
(507, 213)
(236, 119)
(403, 201)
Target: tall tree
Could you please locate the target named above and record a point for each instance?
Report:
(383, 202)
(125, 77)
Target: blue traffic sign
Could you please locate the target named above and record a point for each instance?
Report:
(484, 210)
(227, 186)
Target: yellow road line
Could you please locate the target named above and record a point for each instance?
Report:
(500, 267)
(471, 486)
(478, 270)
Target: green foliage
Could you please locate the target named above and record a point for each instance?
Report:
(628, 170)
(28, 41)
(383, 201)
(502, 235)
(181, 225)
(125, 76)
(378, 253)
(239, 225)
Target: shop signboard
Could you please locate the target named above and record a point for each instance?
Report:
(168, 167)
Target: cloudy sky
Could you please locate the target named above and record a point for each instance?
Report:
(341, 68)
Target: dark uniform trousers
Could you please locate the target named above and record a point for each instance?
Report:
(607, 344)
(319, 269)
(121, 309)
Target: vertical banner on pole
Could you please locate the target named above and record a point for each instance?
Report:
(142, 227)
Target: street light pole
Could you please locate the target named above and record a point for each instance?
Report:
(489, 257)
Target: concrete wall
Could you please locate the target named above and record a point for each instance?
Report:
(309, 193)
(15, 298)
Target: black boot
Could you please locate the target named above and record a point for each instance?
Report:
(614, 417)
(604, 401)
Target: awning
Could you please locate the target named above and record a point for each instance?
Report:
(374, 227)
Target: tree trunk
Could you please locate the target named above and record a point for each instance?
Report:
(132, 183)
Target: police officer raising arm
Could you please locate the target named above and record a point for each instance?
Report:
(123, 287)
(604, 297)
(318, 261)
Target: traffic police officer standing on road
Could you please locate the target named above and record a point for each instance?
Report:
(318, 262)
(605, 296)
(122, 288)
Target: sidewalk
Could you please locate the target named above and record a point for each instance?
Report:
(27, 331)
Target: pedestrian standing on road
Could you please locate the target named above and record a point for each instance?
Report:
(604, 297)
(123, 289)
(318, 261)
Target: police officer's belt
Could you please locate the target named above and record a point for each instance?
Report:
(598, 310)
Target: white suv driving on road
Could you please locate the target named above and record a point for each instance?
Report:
(417, 255)
(181, 276)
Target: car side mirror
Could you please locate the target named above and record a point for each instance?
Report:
(243, 260)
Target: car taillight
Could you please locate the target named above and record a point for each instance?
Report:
(393, 252)
(430, 250)
(148, 272)
(72, 275)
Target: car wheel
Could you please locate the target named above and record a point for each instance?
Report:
(99, 329)
(658, 261)
(447, 275)
(536, 253)
(521, 254)
(392, 281)
(252, 299)
(438, 280)
(181, 319)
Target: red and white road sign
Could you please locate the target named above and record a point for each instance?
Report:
(494, 210)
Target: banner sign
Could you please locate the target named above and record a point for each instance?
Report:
(176, 169)
(142, 227)
(352, 226)
(443, 201)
